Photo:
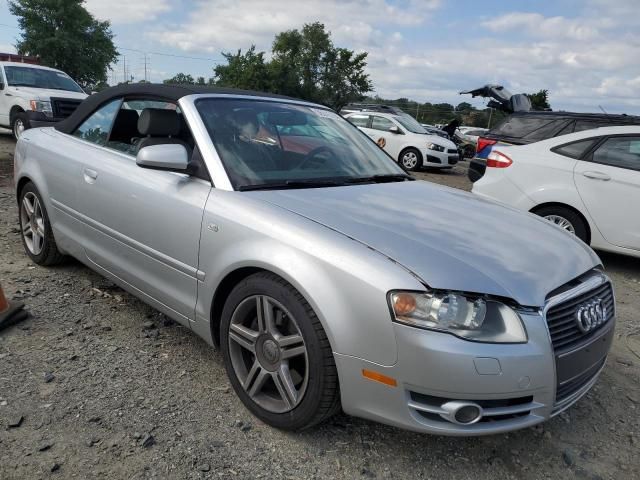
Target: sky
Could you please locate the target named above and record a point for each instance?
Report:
(586, 53)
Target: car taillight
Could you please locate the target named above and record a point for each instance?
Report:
(498, 160)
(484, 142)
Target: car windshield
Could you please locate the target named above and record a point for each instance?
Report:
(410, 123)
(40, 78)
(270, 144)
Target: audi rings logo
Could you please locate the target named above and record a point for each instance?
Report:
(591, 315)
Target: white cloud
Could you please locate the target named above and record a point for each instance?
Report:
(538, 25)
(127, 11)
(228, 24)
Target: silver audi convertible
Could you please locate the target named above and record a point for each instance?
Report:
(328, 276)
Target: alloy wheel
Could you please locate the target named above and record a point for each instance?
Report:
(561, 222)
(268, 353)
(32, 223)
(409, 160)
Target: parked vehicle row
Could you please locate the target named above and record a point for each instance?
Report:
(328, 276)
(405, 140)
(33, 95)
(529, 127)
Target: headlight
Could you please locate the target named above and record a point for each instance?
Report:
(436, 147)
(42, 106)
(469, 317)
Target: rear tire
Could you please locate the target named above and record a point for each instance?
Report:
(35, 228)
(411, 159)
(277, 355)
(567, 219)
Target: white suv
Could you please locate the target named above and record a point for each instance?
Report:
(402, 137)
(34, 96)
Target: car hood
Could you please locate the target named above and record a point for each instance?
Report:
(46, 93)
(448, 238)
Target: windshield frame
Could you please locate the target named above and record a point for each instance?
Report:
(221, 177)
(407, 122)
(51, 71)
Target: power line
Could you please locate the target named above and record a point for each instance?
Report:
(174, 55)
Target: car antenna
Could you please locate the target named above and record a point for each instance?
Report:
(604, 111)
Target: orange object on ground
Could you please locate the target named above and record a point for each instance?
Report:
(10, 312)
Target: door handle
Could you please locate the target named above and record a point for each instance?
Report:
(90, 176)
(597, 176)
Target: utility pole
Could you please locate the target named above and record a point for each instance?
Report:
(145, 67)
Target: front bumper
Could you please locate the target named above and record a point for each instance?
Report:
(514, 384)
(446, 159)
(39, 119)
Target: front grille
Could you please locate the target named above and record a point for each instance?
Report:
(63, 107)
(452, 150)
(453, 160)
(567, 389)
(561, 318)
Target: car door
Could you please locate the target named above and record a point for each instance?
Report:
(5, 100)
(608, 181)
(390, 141)
(143, 225)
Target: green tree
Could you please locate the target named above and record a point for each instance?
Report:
(65, 36)
(539, 100)
(464, 107)
(248, 71)
(304, 64)
(180, 79)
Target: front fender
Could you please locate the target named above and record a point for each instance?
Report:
(344, 282)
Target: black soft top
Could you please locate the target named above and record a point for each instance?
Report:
(158, 91)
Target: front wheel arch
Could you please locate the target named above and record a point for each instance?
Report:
(587, 226)
(223, 290)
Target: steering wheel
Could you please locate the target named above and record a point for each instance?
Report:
(314, 153)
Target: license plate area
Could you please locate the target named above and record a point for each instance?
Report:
(572, 364)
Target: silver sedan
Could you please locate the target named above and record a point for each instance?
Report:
(327, 275)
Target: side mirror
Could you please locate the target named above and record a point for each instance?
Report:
(171, 157)
(394, 129)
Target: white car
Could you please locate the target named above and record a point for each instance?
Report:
(406, 141)
(587, 183)
(35, 96)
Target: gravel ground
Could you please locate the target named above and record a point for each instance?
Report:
(98, 385)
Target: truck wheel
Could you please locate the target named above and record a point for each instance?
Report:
(277, 354)
(19, 124)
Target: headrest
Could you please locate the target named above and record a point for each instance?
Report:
(246, 121)
(125, 126)
(159, 122)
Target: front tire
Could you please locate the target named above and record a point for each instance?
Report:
(19, 124)
(35, 228)
(411, 159)
(277, 355)
(567, 219)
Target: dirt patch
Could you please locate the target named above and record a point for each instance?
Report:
(98, 385)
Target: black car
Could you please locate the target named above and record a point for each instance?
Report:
(522, 128)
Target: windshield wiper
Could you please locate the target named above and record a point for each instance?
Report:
(397, 177)
(292, 184)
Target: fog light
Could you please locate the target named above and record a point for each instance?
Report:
(468, 414)
(461, 412)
